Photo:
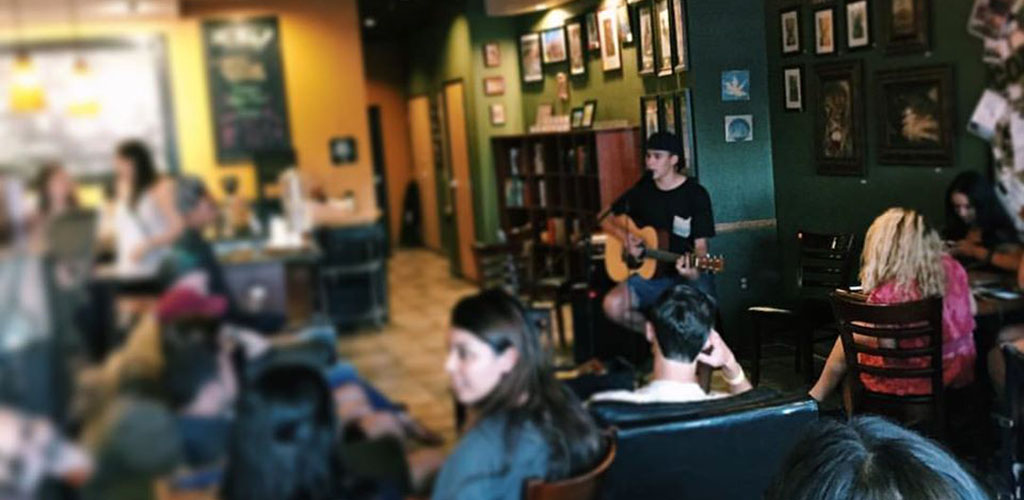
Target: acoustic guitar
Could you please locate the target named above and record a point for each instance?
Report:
(620, 265)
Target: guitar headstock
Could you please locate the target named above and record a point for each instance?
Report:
(710, 263)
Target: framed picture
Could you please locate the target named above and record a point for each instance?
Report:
(736, 85)
(793, 88)
(625, 26)
(492, 55)
(529, 58)
(663, 36)
(915, 110)
(669, 113)
(838, 118)
(858, 25)
(645, 53)
(577, 56)
(824, 31)
(649, 109)
(991, 18)
(593, 38)
(494, 85)
(907, 26)
(589, 113)
(682, 53)
(608, 27)
(497, 114)
(577, 118)
(789, 21)
(554, 50)
(739, 128)
(686, 131)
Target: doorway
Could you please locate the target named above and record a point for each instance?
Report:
(423, 169)
(461, 185)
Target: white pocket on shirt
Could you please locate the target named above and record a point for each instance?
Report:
(681, 226)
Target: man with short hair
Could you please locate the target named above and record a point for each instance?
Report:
(679, 208)
(679, 329)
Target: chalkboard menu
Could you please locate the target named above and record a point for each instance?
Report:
(246, 78)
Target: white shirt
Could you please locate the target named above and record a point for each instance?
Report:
(660, 391)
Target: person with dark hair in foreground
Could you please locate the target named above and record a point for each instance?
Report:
(522, 423)
(871, 459)
(679, 328)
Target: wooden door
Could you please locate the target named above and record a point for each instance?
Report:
(461, 185)
(423, 169)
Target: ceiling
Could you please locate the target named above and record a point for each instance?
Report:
(57, 11)
(395, 19)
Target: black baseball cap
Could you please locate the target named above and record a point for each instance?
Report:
(665, 141)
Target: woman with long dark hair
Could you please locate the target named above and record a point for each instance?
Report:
(56, 190)
(523, 424)
(147, 221)
(978, 224)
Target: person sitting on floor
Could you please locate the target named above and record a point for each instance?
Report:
(870, 458)
(679, 330)
(522, 423)
(903, 261)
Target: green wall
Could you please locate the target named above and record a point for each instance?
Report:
(805, 200)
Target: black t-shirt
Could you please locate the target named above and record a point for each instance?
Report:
(683, 212)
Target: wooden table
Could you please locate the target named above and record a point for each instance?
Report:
(989, 306)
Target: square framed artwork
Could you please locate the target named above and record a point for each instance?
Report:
(736, 85)
(577, 53)
(790, 37)
(663, 37)
(593, 38)
(680, 31)
(576, 120)
(793, 88)
(608, 29)
(669, 113)
(497, 112)
(838, 118)
(858, 25)
(687, 131)
(650, 116)
(589, 113)
(494, 85)
(824, 31)
(492, 55)
(916, 115)
(907, 26)
(530, 58)
(553, 43)
(645, 52)
(739, 128)
(625, 25)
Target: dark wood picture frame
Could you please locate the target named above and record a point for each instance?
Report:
(645, 131)
(818, 51)
(910, 35)
(785, 48)
(534, 39)
(868, 25)
(645, 10)
(492, 59)
(580, 43)
(839, 92)
(801, 82)
(589, 113)
(689, 130)
(680, 40)
(897, 103)
(665, 66)
(544, 44)
(668, 104)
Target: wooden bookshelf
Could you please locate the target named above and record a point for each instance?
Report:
(552, 187)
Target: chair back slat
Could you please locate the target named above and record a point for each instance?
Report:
(825, 262)
(583, 487)
(863, 325)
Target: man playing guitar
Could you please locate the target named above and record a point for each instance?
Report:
(680, 209)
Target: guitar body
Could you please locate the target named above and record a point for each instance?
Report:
(615, 258)
(621, 266)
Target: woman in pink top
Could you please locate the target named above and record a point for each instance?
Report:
(903, 261)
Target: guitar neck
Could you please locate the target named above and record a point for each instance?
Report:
(663, 256)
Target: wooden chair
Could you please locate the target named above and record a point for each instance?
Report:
(893, 323)
(824, 265)
(583, 487)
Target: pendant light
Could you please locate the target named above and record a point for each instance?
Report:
(27, 94)
(83, 100)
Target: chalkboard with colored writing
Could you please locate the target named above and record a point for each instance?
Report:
(246, 78)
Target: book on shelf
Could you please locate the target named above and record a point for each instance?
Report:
(513, 161)
(514, 193)
(538, 159)
(542, 193)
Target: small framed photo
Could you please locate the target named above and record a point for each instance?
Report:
(906, 26)
(577, 54)
(858, 25)
(649, 111)
(494, 85)
(824, 31)
(593, 38)
(492, 55)
(589, 113)
(793, 87)
(669, 113)
(625, 26)
(529, 52)
(645, 52)
(554, 49)
(686, 131)
(789, 20)
(736, 85)
(663, 36)
(679, 19)
(608, 27)
(739, 128)
(577, 118)
(497, 114)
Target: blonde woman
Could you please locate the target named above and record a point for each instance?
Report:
(903, 261)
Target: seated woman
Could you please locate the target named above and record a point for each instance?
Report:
(979, 225)
(522, 423)
(903, 261)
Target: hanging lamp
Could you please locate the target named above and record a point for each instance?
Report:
(83, 99)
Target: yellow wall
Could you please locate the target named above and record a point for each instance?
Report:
(324, 81)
